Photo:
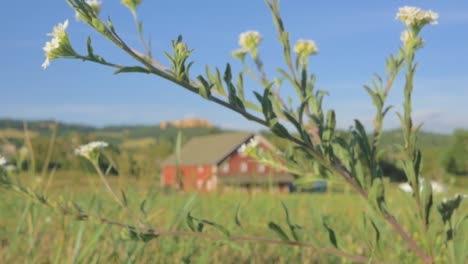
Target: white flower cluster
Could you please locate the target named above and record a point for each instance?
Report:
(414, 16)
(249, 39)
(305, 47)
(3, 161)
(246, 148)
(90, 148)
(59, 34)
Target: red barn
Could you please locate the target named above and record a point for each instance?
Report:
(207, 161)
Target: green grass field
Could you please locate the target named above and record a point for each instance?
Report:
(32, 233)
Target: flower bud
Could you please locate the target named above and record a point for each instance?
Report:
(95, 5)
(304, 49)
(131, 4)
(250, 40)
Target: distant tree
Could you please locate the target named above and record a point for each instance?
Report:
(456, 158)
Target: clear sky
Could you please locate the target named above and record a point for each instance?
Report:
(354, 38)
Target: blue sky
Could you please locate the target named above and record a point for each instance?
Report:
(354, 38)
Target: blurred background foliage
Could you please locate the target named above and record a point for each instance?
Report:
(138, 150)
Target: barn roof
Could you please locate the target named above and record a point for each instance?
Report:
(209, 150)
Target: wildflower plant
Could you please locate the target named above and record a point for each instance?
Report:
(318, 150)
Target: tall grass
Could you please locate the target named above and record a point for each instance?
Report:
(30, 233)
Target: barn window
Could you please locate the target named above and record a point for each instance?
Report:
(225, 168)
(200, 169)
(261, 168)
(243, 167)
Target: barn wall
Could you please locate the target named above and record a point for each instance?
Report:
(195, 177)
(235, 161)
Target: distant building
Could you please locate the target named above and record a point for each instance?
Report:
(208, 161)
(186, 123)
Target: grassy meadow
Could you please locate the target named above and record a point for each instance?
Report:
(32, 233)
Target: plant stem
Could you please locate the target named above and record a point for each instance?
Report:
(115, 196)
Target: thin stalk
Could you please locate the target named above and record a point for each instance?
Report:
(32, 159)
(50, 150)
(115, 196)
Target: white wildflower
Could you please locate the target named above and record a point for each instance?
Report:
(250, 40)
(414, 16)
(10, 168)
(248, 147)
(3, 161)
(59, 46)
(406, 187)
(60, 30)
(253, 143)
(305, 47)
(91, 149)
(242, 150)
(436, 187)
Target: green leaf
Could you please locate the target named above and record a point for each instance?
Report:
(228, 74)
(278, 231)
(124, 198)
(331, 234)
(427, 201)
(200, 227)
(205, 88)
(292, 227)
(131, 233)
(293, 120)
(131, 69)
(217, 226)
(89, 47)
(363, 141)
(446, 208)
(142, 208)
(377, 195)
(279, 130)
(182, 213)
(190, 222)
(237, 216)
(240, 86)
(378, 102)
(329, 126)
(219, 85)
(388, 108)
